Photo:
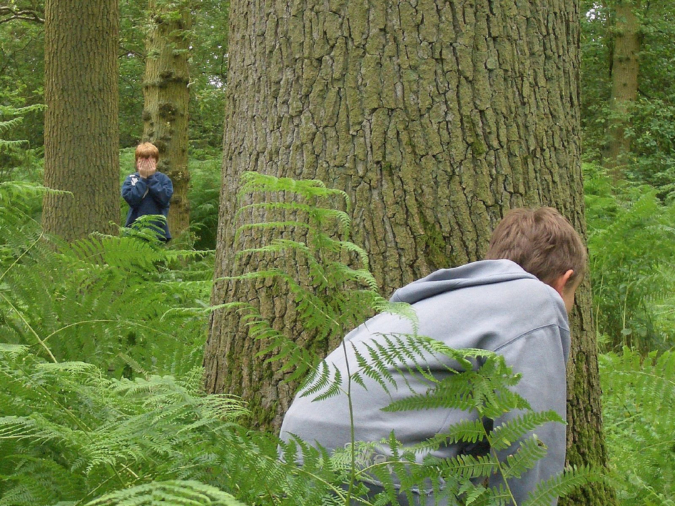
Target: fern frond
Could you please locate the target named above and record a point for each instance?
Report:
(324, 380)
(561, 485)
(507, 433)
(341, 217)
(465, 466)
(170, 493)
(529, 452)
(254, 182)
(639, 412)
(404, 354)
(467, 431)
(14, 427)
(495, 496)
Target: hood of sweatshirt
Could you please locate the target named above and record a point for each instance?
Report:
(446, 280)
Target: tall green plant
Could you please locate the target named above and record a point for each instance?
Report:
(204, 196)
(11, 149)
(639, 411)
(69, 434)
(632, 254)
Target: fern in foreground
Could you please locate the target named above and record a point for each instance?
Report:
(168, 493)
(326, 274)
(71, 435)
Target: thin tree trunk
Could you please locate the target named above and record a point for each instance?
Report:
(436, 118)
(625, 73)
(81, 126)
(165, 89)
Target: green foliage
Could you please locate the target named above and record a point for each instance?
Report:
(169, 493)
(204, 197)
(69, 433)
(11, 150)
(75, 432)
(108, 300)
(639, 413)
(651, 131)
(21, 79)
(632, 251)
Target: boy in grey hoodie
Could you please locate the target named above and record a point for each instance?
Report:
(515, 303)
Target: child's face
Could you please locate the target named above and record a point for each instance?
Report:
(146, 163)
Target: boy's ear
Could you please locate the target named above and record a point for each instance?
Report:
(560, 282)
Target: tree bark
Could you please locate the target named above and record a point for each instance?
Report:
(81, 126)
(436, 118)
(625, 73)
(166, 95)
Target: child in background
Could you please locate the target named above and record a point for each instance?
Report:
(147, 191)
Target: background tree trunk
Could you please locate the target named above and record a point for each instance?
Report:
(165, 90)
(625, 72)
(436, 119)
(81, 129)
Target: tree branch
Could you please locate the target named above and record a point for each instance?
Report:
(9, 14)
(125, 52)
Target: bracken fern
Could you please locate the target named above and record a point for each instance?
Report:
(74, 432)
(107, 300)
(639, 408)
(632, 257)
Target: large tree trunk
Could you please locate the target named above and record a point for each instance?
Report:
(81, 126)
(625, 72)
(435, 119)
(165, 89)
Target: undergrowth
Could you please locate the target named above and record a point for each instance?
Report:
(632, 256)
(110, 301)
(100, 379)
(639, 411)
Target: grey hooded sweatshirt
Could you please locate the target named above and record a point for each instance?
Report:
(492, 305)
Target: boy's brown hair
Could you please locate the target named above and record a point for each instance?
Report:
(147, 150)
(541, 241)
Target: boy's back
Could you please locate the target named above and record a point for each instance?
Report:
(492, 305)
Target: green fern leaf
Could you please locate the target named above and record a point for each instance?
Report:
(506, 434)
(561, 485)
(529, 452)
(169, 493)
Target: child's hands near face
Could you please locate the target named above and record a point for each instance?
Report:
(146, 167)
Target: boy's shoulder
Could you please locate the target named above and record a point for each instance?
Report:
(535, 302)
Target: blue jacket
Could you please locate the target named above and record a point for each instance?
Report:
(148, 196)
